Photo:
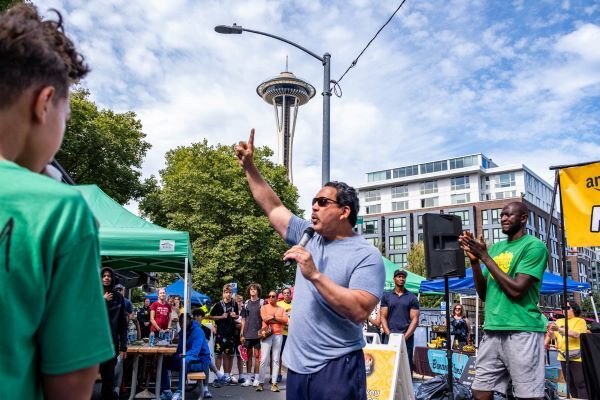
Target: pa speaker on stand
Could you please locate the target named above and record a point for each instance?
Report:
(444, 259)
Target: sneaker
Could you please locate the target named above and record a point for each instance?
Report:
(207, 395)
(241, 380)
(230, 380)
(217, 383)
(176, 396)
(256, 383)
(260, 387)
(246, 383)
(274, 387)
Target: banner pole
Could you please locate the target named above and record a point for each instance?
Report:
(564, 270)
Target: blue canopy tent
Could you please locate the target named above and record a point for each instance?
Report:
(178, 288)
(551, 284)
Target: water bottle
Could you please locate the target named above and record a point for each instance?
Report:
(151, 339)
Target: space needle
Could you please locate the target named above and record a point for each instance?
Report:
(286, 93)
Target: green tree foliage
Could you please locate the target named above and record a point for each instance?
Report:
(6, 4)
(586, 304)
(416, 259)
(204, 192)
(104, 148)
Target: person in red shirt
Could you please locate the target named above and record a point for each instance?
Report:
(159, 313)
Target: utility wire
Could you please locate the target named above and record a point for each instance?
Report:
(336, 84)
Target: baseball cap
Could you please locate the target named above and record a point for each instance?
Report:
(400, 272)
(119, 286)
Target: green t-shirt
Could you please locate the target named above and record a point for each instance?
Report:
(54, 317)
(526, 255)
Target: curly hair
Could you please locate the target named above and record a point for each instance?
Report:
(35, 53)
(256, 286)
(346, 196)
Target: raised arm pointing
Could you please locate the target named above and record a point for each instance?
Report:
(266, 198)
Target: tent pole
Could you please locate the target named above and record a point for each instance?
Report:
(593, 305)
(476, 322)
(565, 272)
(185, 313)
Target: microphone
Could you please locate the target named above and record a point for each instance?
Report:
(306, 236)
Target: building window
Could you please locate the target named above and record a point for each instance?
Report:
(463, 162)
(434, 166)
(553, 231)
(485, 183)
(429, 187)
(406, 171)
(554, 246)
(374, 241)
(460, 198)
(486, 235)
(430, 202)
(506, 194)
(497, 235)
(420, 237)
(379, 176)
(506, 180)
(373, 195)
(399, 205)
(486, 197)
(398, 242)
(373, 209)
(459, 183)
(464, 216)
(484, 217)
(496, 215)
(399, 259)
(400, 191)
(370, 227)
(397, 224)
(555, 265)
(420, 222)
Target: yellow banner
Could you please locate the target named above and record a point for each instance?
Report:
(580, 191)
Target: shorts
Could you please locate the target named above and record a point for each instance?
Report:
(224, 345)
(252, 344)
(511, 355)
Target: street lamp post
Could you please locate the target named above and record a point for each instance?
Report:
(326, 62)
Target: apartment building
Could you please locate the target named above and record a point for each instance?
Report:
(474, 187)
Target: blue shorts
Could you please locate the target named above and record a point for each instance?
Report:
(342, 378)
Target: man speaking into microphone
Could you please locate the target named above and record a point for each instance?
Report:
(339, 280)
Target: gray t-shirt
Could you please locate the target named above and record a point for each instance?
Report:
(318, 334)
(253, 321)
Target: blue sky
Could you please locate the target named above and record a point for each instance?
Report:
(516, 80)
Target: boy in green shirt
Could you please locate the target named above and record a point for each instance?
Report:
(49, 255)
(513, 345)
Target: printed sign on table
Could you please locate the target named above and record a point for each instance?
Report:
(438, 362)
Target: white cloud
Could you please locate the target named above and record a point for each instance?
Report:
(517, 82)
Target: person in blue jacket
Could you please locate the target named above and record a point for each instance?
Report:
(197, 358)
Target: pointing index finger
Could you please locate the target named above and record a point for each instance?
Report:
(251, 139)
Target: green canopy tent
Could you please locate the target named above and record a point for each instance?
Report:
(413, 281)
(128, 242)
(131, 243)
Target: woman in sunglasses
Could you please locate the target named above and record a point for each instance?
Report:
(460, 326)
(273, 317)
(577, 326)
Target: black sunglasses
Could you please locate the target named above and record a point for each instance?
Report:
(323, 201)
(272, 296)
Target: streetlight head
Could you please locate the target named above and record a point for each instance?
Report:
(226, 29)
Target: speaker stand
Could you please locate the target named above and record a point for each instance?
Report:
(448, 340)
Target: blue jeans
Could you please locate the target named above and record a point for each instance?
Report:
(341, 378)
(174, 364)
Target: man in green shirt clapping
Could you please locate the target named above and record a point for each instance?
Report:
(513, 345)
